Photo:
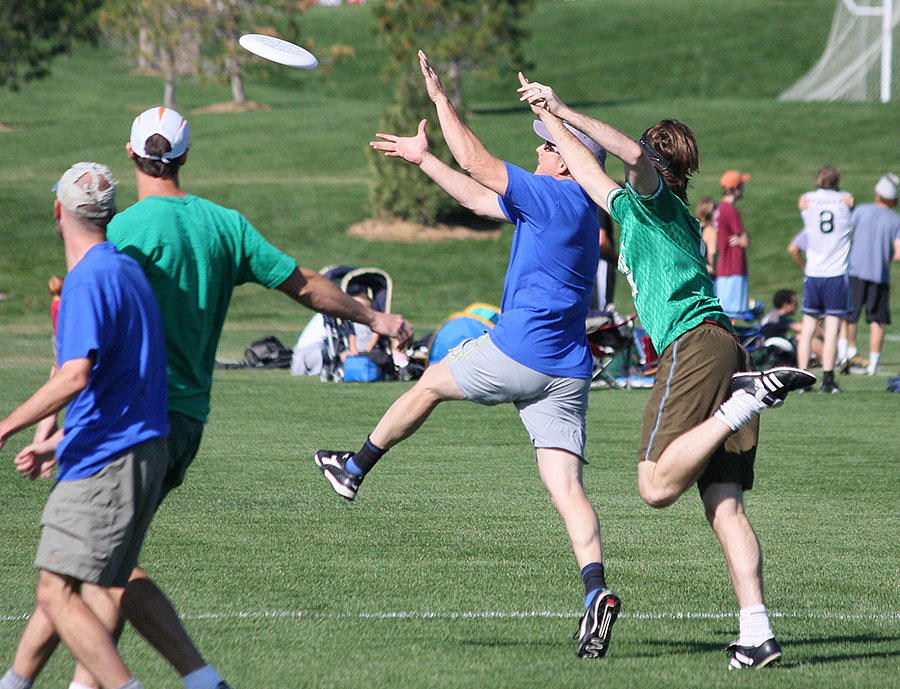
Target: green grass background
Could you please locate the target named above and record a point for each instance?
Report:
(284, 584)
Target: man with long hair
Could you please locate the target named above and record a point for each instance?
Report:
(701, 423)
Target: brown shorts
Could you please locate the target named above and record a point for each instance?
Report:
(693, 379)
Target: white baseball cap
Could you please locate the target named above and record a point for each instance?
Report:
(886, 187)
(596, 149)
(167, 123)
(96, 200)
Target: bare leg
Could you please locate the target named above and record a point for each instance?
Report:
(408, 413)
(106, 604)
(662, 482)
(851, 334)
(80, 629)
(151, 613)
(561, 473)
(829, 349)
(804, 342)
(724, 505)
(39, 640)
(876, 337)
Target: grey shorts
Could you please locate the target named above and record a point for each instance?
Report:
(552, 408)
(94, 527)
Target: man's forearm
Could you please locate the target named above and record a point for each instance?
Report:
(615, 141)
(70, 379)
(463, 188)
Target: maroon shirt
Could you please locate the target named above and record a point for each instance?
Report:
(732, 259)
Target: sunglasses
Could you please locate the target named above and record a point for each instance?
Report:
(550, 147)
(658, 161)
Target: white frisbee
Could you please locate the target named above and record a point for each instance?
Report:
(278, 50)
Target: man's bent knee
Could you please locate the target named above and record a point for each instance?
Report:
(656, 496)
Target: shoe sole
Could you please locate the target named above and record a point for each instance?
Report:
(598, 643)
(336, 485)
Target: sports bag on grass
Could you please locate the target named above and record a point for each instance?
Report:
(268, 352)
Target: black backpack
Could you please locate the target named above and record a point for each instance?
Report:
(268, 352)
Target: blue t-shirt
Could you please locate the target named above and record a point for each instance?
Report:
(875, 229)
(552, 268)
(108, 308)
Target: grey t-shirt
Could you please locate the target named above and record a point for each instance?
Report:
(875, 229)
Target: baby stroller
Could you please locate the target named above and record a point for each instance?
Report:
(375, 284)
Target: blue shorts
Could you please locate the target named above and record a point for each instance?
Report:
(826, 296)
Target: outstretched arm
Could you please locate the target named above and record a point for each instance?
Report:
(320, 294)
(467, 149)
(414, 149)
(639, 170)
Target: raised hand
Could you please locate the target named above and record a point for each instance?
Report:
(411, 148)
(432, 81)
(538, 96)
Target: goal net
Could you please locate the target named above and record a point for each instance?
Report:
(858, 63)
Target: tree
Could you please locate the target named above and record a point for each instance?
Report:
(33, 32)
(161, 34)
(227, 20)
(461, 39)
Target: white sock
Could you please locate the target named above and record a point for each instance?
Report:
(755, 629)
(132, 684)
(13, 680)
(204, 678)
(873, 363)
(842, 349)
(76, 685)
(851, 352)
(739, 409)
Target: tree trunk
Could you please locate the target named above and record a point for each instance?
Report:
(237, 88)
(170, 67)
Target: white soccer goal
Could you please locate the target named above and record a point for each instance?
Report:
(858, 63)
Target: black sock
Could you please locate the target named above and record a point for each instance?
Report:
(367, 456)
(594, 579)
(828, 376)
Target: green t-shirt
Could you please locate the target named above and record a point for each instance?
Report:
(660, 254)
(194, 252)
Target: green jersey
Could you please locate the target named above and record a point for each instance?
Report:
(660, 254)
(194, 252)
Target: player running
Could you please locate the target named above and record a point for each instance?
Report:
(701, 423)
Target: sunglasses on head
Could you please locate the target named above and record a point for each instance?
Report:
(658, 161)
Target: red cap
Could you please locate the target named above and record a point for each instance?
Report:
(732, 178)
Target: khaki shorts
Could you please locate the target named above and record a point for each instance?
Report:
(693, 379)
(552, 408)
(94, 527)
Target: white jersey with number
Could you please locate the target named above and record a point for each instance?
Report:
(826, 224)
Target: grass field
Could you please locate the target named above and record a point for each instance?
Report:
(452, 569)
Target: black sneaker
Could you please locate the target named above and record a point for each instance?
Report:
(334, 465)
(772, 386)
(741, 657)
(595, 628)
(830, 388)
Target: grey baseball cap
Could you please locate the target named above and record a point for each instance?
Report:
(95, 200)
(596, 149)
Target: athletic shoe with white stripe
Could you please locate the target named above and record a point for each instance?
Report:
(334, 466)
(772, 386)
(742, 657)
(595, 628)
